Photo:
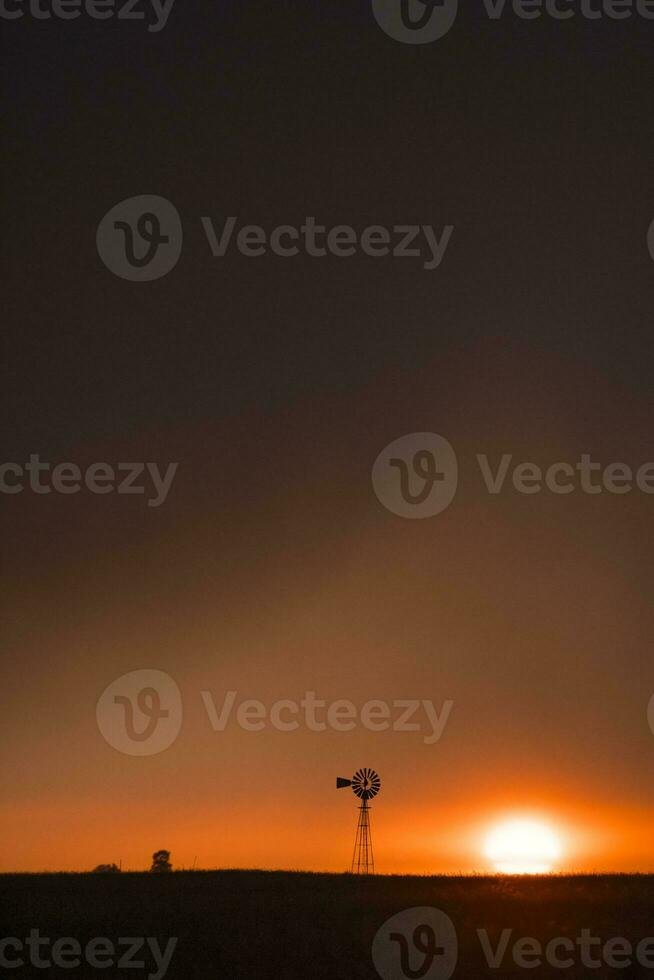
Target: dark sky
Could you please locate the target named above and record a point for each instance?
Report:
(275, 383)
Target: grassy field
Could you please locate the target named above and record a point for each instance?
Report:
(296, 926)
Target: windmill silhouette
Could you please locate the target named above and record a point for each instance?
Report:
(365, 784)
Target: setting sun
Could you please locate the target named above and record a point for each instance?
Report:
(523, 847)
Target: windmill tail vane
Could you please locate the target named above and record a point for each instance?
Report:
(365, 784)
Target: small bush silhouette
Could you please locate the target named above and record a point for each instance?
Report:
(106, 869)
(161, 861)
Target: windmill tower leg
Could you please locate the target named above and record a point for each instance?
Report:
(363, 861)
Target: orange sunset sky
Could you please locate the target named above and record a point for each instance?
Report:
(275, 382)
(527, 613)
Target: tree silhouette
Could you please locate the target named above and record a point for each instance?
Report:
(106, 869)
(161, 861)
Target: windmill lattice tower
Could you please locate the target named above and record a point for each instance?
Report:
(365, 784)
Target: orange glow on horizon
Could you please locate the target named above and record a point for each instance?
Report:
(406, 841)
(523, 846)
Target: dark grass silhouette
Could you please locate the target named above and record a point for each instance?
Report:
(298, 926)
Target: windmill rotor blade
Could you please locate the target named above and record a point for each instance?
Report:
(365, 783)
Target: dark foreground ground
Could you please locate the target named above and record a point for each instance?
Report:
(232, 925)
